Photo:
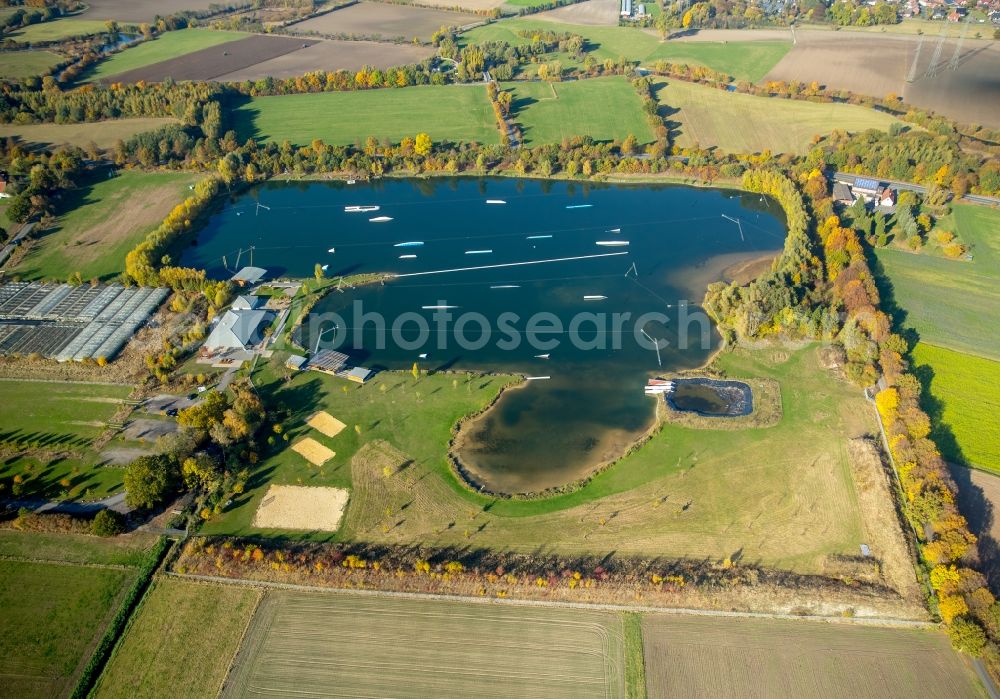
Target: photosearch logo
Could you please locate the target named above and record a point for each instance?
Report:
(446, 329)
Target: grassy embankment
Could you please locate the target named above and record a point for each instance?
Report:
(791, 481)
(163, 48)
(445, 112)
(56, 424)
(741, 123)
(747, 60)
(99, 222)
(954, 308)
(58, 594)
(605, 109)
(58, 29)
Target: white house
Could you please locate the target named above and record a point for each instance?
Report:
(238, 330)
(247, 302)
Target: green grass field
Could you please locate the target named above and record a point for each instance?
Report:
(791, 480)
(24, 64)
(366, 646)
(104, 133)
(56, 423)
(179, 642)
(965, 401)
(167, 46)
(604, 108)
(98, 223)
(129, 551)
(953, 303)
(446, 113)
(740, 123)
(748, 60)
(58, 29)
(702, 657)
(53, 615)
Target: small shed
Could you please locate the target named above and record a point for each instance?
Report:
(295, 362)
(248, 276)
(358, 374)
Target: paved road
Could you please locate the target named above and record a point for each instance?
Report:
(919, 189)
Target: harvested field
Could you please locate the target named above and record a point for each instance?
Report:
(105, 134)
(601, 13)
(739, 123)
(141, 10)
(310, 508)
(704, 657)
(166, 46)
(878, 65)
(180, 641)
(302, 645)
(326, 423)
(209, 63)
(371, 19)
(332, 54)
(314, 452)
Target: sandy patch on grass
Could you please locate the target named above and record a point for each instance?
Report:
(314, 452)
(301, 507)
(326, 423)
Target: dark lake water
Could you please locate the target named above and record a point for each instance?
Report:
(591, 407)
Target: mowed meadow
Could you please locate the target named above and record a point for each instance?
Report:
(606, 109)
(446, 112)
(744, 60)
(740, 123)
(783, 496)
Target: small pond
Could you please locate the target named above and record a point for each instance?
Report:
(711, 397)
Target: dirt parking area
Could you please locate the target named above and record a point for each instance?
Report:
(212, 62)
(149, 430)
(388, 21)
(332, 55)
(140, 10)
(879, 64)
(594, 13)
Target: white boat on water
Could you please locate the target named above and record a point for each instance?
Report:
(612, 243)
(495, 201)
(594, 297)
(332, 250)
(360, 208)
(615, 230)
(407, 257)
(542, 356)
(409, 244)
(537, 237)
(537, 378)
(478, 252)
(579, 206)
(423, 356)
(437, 308)
(380, 219)
(506, 286)
(325, 267)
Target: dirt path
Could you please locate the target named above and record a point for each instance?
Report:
(862, 621)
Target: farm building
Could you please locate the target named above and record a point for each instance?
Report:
(295, 362)
(842, 193)
(335, 364)
(866, 187)
(248, 276)
(887, 198)
(247, 302)
(66, 322)
(238, 330)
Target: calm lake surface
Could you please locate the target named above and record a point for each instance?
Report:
(592, 407)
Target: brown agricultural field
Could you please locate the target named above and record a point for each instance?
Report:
(311, 644)
(331, 55)
(597, 13)
(212, 62)
(381, 19)
(979, 500)
(878, 65)
(717, 657)
(140, 10)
